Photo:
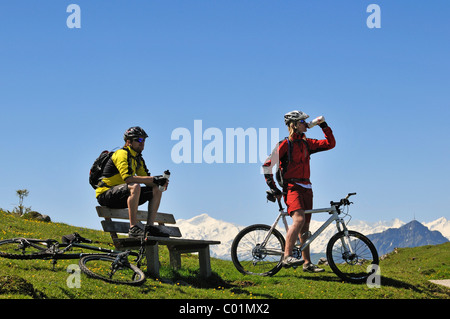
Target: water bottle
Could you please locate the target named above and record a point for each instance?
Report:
(316, 121)
(165, 175)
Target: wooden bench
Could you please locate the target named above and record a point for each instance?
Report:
(176, 246)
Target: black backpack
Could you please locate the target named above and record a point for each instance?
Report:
(96, 172)
(282, 165)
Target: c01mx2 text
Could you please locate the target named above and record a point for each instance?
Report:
(229, 308)
(246, 308)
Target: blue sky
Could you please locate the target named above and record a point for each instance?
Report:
(67, 94)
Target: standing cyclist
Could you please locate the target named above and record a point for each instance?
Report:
(293, 155)
(120, 186)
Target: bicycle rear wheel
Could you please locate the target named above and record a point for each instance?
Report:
(352, 267)
(109, 269)
(24, 248)
(250, 257)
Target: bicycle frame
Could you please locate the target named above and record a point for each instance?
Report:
(59, 251)
(333, 210)
(61, 254)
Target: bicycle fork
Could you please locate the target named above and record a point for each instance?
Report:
(345, 240)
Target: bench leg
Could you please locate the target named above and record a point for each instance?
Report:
(152, 254)
(205, 263)
(175, 259)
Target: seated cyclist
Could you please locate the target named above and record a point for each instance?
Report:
(120, 186)
(296, 184)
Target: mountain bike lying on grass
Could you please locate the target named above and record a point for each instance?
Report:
(259, 249)
(109, 265)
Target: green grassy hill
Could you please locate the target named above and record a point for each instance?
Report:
(404, 274)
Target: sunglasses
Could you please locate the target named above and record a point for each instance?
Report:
(139, 139)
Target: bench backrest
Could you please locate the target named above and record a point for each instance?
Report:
(115, 227)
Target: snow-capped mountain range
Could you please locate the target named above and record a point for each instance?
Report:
(206, 227)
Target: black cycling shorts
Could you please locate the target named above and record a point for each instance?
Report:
(117, 196)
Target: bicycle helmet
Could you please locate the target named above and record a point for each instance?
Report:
(294, 116)
(134, 132)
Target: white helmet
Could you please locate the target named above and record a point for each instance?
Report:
(294, 116)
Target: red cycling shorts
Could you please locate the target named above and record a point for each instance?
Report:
(298, 197)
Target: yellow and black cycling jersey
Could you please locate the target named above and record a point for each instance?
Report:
(123, 163)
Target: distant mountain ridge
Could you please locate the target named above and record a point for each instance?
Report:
(206, 227)
(412, 234)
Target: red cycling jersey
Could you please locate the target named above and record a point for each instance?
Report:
(298, 165)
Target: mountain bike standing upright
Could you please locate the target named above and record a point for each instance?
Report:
(258, 249)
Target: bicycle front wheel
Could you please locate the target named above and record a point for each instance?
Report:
(105, 267)
(251, 256)
(352, 265)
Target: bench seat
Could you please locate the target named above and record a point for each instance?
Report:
(175, 244)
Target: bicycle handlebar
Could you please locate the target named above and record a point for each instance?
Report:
(344, 201)
(349, 194)
(75, 238)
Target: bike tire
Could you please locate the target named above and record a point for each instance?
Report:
(98, 266)
(352, 268)
(34, 248)
(247, 256)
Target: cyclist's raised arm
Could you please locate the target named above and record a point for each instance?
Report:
(322, 145)
(274, 158)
